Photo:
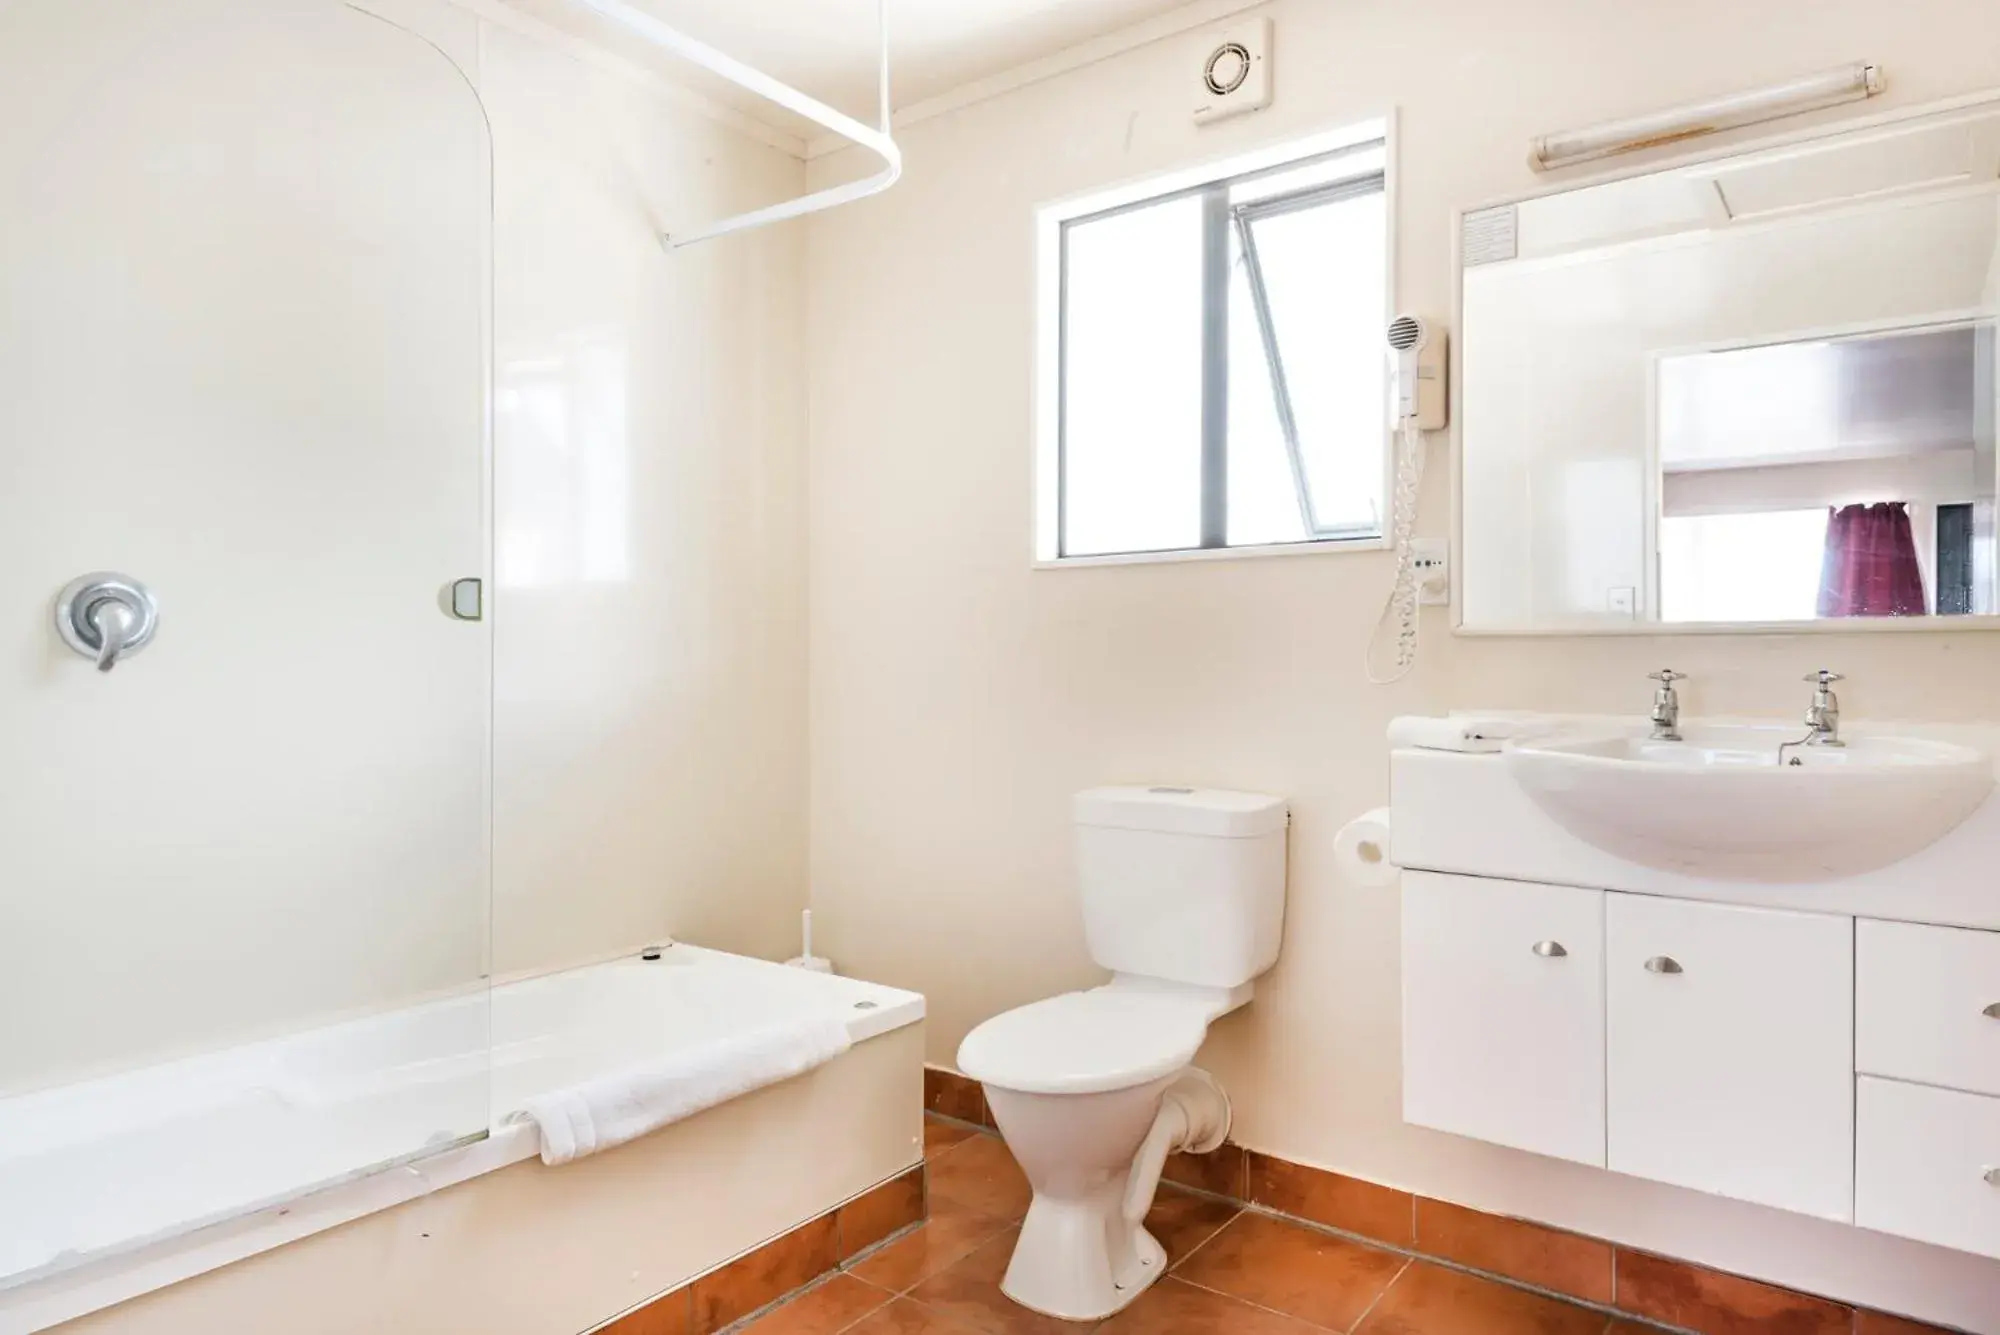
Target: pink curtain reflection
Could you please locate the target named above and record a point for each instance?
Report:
(1871, 567)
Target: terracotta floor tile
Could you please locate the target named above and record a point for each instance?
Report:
(979, 1172)
(664, 1316)
(1620, 1326)
(940, 1135)
(1325, 1280)
(1564, 1262)
(1345, 1203)
(874, 1215)
(1225, 1172)
(954, 1095)
(824, 1309)
(764, 1276)
(950, 1234)
(1173, 1308)
(1430, 1300)
(1691, 1296)
(903, 1317)
(968, 1292)
(1183, 1221)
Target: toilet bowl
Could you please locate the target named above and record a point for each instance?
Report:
(1092, 1091)
(1183, 895)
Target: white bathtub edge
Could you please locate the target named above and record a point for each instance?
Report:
(108, 1281)
(34, 1304)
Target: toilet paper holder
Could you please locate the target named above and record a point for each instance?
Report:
(1362, 849)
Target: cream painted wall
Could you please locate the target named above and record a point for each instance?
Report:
(959, 697)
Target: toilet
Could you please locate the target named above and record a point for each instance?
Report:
(1183, 894)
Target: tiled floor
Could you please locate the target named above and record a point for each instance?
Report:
(1231, 1271)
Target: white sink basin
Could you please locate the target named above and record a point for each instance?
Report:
(1720, 805)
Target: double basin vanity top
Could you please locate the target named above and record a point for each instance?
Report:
(1750, 801)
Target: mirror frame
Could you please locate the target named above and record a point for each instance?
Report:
(1731, 145)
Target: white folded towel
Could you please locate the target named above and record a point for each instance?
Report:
(626, 1104)
(1476, 734)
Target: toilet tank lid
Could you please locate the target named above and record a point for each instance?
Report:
(1172, 810)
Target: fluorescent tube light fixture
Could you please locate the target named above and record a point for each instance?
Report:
(1811, 92)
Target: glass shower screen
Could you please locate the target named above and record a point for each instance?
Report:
(243, 864)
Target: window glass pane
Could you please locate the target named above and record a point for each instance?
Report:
(1263, 499)
(1326, 271)
(1742, 567)
(1132, 381)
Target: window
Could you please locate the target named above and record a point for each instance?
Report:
(1762, 566)
(1213, 366)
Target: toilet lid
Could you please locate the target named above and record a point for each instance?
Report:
(1086, 1042)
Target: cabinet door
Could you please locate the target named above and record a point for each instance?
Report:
(1503, 1013)
(1731, 1051)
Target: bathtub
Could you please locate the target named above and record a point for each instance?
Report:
(112, 1167)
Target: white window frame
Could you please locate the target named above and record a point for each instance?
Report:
(1050, 220)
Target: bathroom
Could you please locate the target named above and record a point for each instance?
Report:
(569, 588)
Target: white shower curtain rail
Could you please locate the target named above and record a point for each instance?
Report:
(791, 99)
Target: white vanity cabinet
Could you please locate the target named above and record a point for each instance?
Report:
(1782, 1002)
(1730, 1037)
(1503, 1013)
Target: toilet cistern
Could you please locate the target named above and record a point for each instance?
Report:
(1183, 896)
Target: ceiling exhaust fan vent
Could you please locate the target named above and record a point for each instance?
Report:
(1235, 71)
(1228, 69)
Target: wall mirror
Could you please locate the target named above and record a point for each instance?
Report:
(1749, 391)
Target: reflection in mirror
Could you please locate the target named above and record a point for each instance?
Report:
(1827, 478)
(1758, 389)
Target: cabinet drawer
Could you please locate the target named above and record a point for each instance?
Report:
(1928, 1005)
(1503, 1013)
(1921, 1164)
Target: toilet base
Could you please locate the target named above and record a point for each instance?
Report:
(1094, 1162)
(1079, 1259)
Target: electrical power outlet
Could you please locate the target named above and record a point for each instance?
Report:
(1432, 559)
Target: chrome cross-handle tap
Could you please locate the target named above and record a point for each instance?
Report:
(1823, 715)
(1667, 705)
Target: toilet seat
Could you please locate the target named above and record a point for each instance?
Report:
(1095, 1042)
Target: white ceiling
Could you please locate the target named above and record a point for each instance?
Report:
(827, 48)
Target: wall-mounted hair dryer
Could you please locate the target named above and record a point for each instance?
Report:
(1417, 356)
(1419, 352)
